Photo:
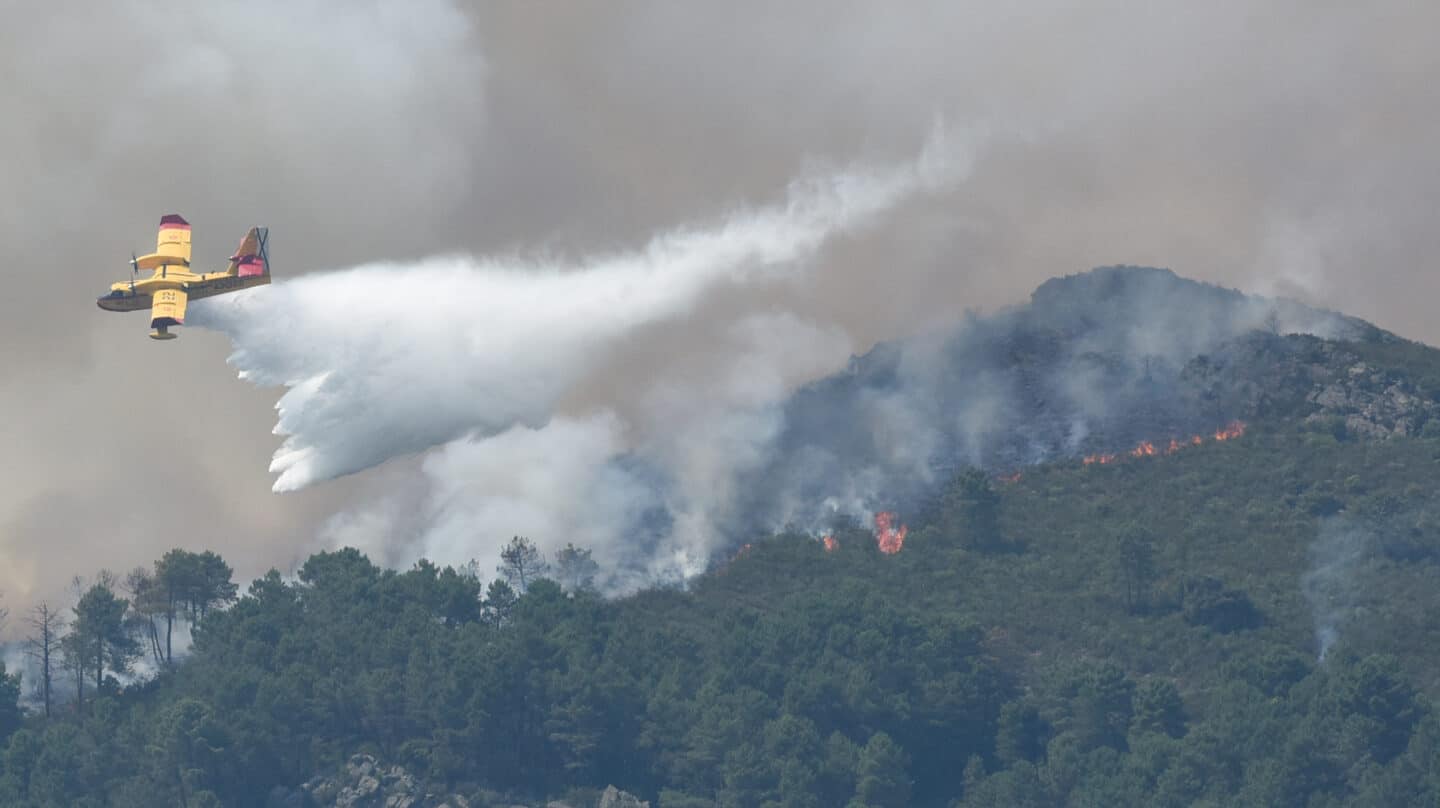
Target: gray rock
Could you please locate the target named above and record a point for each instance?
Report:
(360, 766)
(615, 798)
(365, 782)
(403, 783)
(1371, 409)
(321, 790)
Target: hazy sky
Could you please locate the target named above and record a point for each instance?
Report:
(1283, 147)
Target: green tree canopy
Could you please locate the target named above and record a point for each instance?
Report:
(521, 562)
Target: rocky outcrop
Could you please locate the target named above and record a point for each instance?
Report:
(365, 783)
(1317, 381)
(615, 798)
(1371, 403)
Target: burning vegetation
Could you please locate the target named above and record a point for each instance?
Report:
(890, 534)
(887, 537)
(1145, 448)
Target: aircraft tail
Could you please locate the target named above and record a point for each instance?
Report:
(250, 259)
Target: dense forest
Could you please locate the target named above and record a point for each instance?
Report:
(1248, 621)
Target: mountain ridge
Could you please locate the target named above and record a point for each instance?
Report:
(1094, 362)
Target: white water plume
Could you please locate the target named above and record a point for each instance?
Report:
(479, 354)
(389, 359)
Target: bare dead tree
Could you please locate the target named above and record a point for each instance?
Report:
(43, 646)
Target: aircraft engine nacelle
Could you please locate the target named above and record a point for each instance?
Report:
(172, 245)
(174, 238)
(167, 308)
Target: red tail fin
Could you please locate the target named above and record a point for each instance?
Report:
(249, 258)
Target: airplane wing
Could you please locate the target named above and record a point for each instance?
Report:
(167, 308)
(249, 257)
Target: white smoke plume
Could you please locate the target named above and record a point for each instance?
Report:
(484, 357)
(1330, 585)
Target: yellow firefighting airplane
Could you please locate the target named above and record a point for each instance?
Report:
(172, 283)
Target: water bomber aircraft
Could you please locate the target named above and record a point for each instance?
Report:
(172, 284)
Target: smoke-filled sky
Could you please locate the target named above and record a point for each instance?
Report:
(510, 157)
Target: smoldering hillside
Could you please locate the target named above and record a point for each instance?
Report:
(1096, 362)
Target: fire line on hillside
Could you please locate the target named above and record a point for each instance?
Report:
(891, 539)
(1145, 448)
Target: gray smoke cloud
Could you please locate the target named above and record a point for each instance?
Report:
(1271, 147)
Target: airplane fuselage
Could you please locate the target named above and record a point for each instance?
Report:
(127, 296)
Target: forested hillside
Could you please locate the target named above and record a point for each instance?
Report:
(1143, 631)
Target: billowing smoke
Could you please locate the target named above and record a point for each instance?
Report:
(1331, 584)
(486, 357)
(1268, 148)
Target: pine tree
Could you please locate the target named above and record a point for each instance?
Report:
(884, 779)
(577, 569)
(521, 563)
(101, 636)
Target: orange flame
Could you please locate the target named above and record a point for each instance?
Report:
(1234, 429)
(830, 543)
(887, 538)
(1010, 479)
